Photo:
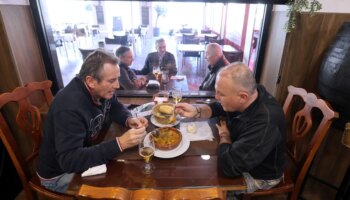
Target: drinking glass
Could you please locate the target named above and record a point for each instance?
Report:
(156, 71)
(165, 78)
(177, 95)
(146, 151)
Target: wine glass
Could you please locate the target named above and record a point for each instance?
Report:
(146, 151)
(177, 95)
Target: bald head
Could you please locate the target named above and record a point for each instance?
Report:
(213, 53)
(240, 75)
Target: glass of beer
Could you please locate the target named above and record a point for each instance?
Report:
(146, 151)
(177, 95)
(156, 71)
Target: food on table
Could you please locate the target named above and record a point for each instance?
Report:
(164, 113)
(166, 138)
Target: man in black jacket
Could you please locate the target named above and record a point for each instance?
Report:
(77, 115)
(216, 61)
(162, 58)
(253, 136)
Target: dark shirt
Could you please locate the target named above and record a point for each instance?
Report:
(72, 125)
(127, 77)
(167, 63)
(209, 80)
(258, 136)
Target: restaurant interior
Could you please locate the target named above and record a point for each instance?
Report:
(48, 40)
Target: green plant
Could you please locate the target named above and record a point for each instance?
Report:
(295, 7)
(161, 12)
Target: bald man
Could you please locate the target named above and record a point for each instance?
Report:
(253, 134)
(216, 60)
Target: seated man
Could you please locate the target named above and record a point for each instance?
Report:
(165, 60)
(77, 115)
(216, 60)
(128, 79)
(253, 136)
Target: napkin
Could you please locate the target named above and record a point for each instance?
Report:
(143, 110)
(203, 130)
(100, 169)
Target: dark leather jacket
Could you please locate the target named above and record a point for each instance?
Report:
(210, 78)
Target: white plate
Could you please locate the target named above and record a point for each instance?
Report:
(154, 121)
(182, 148)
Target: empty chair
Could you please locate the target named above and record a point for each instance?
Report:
(208, 39)
(25, 131)
(110, 41)
(122, 40)
(234, 56)
(198, 194)
(119, 193)
(86, 52)
(220, 42)
(310, 119)
(206, 31)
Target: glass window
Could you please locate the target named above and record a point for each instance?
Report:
(87, 25)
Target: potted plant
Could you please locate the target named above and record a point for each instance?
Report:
(161, 12)
(295, 7)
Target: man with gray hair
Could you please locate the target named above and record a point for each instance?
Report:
(253, 135)
(216, 60)
(162, 58)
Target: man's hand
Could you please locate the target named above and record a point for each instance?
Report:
(131, 137)
(185, 110)
(139, 83)
(139, 122)
(224, 133)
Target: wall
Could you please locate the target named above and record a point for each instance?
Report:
(296, 59)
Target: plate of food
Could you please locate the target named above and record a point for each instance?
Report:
(169, 142)
(163, 115)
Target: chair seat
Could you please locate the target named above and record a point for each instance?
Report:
(286, 185)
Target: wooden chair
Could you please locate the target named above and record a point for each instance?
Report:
(27, 124)
(308, 129)
(194, 194)
(91, 192)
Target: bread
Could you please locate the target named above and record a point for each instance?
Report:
(169, 138)
(166, 109)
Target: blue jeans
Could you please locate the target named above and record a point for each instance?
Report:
(57, 184)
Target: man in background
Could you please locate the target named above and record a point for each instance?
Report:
(128, 79)
(216, 60)
(161, 58)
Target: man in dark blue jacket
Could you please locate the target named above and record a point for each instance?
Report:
(253, 136)
(161, 58)
(77, 115)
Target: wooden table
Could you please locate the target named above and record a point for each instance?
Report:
(189, 170)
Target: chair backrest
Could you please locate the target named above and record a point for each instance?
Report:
(220, 42)
(119, 193)
(311, 118)
(27, 123)
(206, 31)
(86, 52)
(110, 40)
(208, 39)
(123, 39)
(198, 194)
(92, 192)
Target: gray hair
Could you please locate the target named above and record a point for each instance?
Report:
(93, 64)
(214, 49)
(159, 41)
(241, 76)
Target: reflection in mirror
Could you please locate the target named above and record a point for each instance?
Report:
(187, 28)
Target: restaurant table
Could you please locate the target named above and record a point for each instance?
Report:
(196, 168)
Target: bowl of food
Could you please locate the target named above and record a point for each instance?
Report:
(166, 138)
(164, 113)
